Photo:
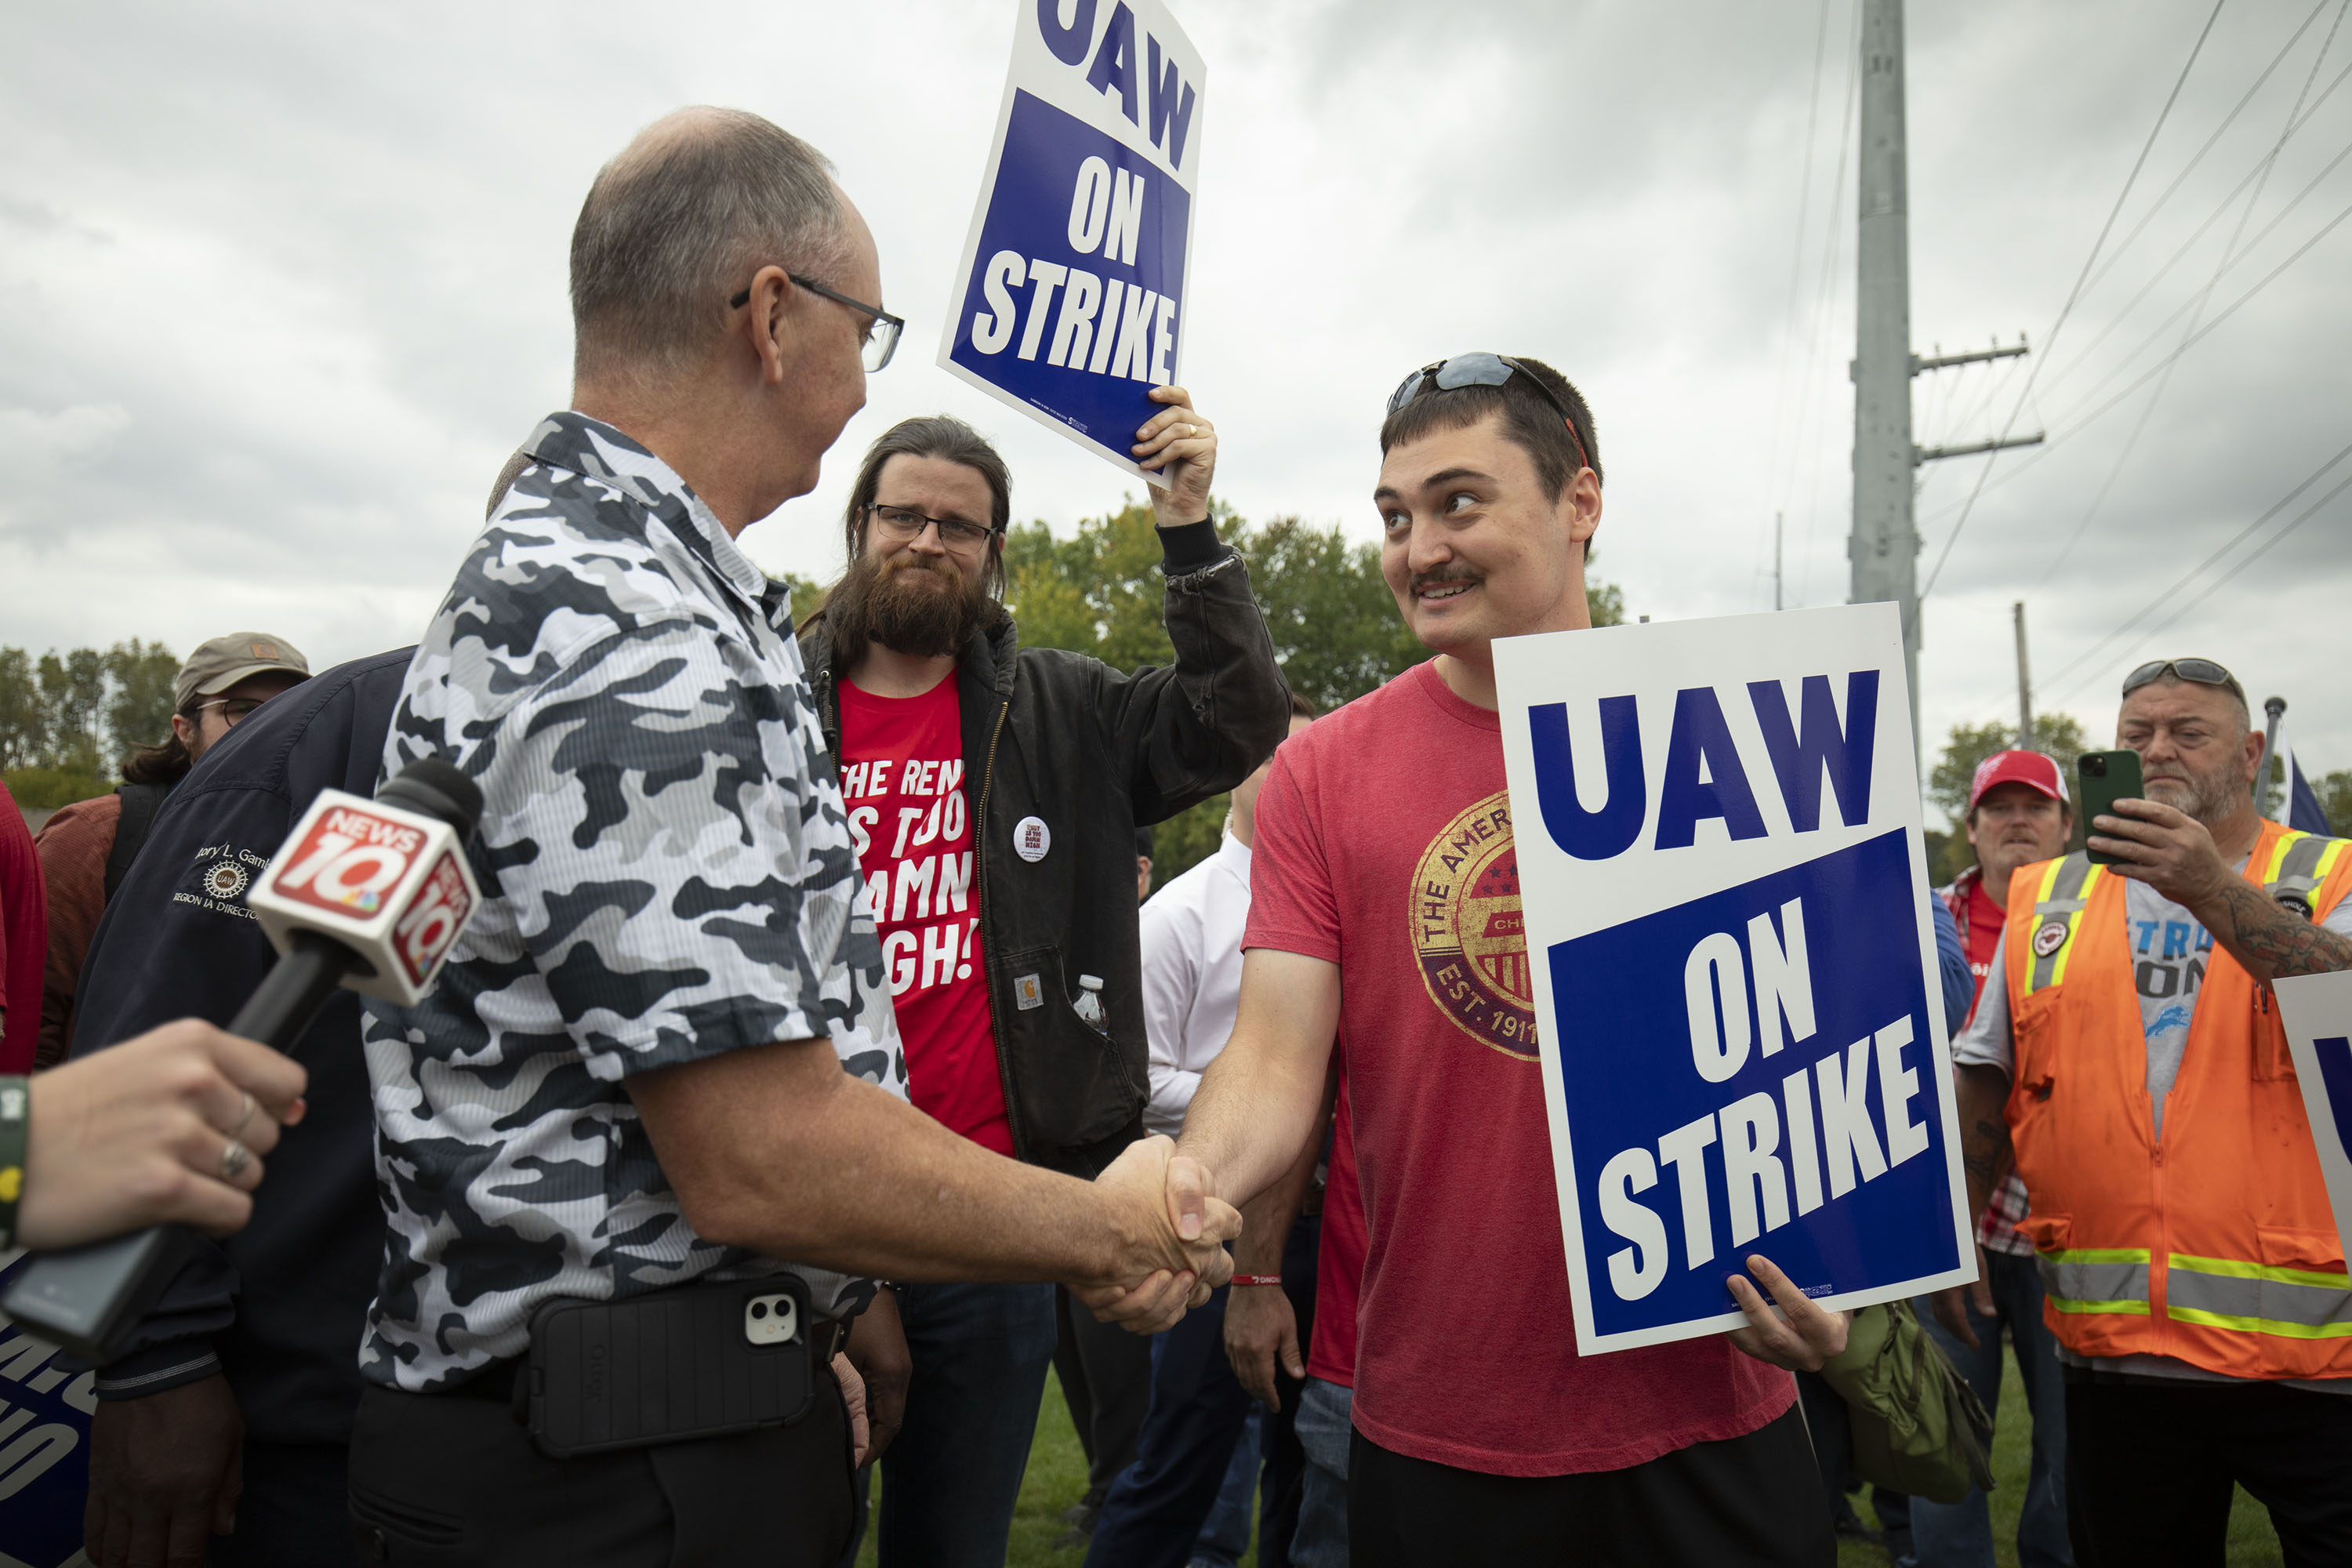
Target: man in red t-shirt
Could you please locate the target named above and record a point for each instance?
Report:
(1386, 921)
(2018, 816)
(992, 794)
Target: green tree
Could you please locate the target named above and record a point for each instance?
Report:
(23, 715)
(2057, 735)
(2335, 793)
(73, 691)
(139, 708)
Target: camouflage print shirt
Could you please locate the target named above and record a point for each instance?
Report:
(667, 874)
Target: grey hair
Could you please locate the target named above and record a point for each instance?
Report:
(678, 223)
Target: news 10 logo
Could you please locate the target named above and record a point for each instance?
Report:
(392, 885)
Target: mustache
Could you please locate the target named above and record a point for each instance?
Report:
(1423, 581)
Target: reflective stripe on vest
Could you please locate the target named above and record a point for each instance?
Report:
(2255, 1299)
(2299, 862)
(2096, 1279)
(2058, 905)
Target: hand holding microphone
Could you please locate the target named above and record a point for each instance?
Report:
(366, 894)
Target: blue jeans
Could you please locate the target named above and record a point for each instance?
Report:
(951, 1475)
(1325, 1412)
(1959, 1534)
(1227, 1534)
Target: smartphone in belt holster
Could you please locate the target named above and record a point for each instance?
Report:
(695, 1361)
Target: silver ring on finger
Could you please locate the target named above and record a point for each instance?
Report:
(250, 1106)
(234, 1158)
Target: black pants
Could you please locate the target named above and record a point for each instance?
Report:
(1106, 1376)
(444, 1480)
(2150, 1464)
(293, 1509)
(1745, 1500)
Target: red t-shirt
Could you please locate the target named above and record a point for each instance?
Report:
(1985, 919)
(23, 938)
(1384, 845)
(1339, 1265)
(902, 781)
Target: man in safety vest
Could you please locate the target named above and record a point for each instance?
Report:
(2131, 1061)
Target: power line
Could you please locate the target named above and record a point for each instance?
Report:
(1797, 256)
(2230, 254)
(2050, 340)
(1835, 248)
(2156, 604)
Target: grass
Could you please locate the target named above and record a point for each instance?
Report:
(1056, 1478)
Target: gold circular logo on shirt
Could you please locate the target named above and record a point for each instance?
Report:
(1468, 932)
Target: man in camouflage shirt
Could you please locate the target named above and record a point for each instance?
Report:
(664, 1051)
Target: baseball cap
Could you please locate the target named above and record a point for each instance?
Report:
(2031, 769)
(219, 664)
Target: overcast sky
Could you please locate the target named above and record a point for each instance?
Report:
(281, 285)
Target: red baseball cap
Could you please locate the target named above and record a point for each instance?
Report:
(2031, 769)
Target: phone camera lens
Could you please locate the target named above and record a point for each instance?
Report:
(758, 1309)
(2095, 767)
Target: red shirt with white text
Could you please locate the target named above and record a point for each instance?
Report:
(902, 784)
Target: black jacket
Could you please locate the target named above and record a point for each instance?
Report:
(1091, 753)
(280, 1305)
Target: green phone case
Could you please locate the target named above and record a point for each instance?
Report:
(2102, 778)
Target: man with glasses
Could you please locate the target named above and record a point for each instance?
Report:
(87, 848)
(993, 793)
(2127, 1054)
(660, 1070)
(1383, 842)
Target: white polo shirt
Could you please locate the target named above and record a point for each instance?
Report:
(1192, 976)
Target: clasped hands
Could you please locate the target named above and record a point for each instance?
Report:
(1170, 1231)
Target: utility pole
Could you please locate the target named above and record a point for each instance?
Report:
(2025, 686)
(1884, 544)
(1775, 561)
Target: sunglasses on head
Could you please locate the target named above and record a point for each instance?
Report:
(2199, 671)
(1482, 370)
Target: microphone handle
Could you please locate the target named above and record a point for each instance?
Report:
(87, 1298)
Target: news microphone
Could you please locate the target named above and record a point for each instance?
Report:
(365, 894)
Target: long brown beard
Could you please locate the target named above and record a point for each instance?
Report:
(886, 599)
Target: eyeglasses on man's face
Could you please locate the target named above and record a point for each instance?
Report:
(881, 337)
(900, 523)
(233, 708)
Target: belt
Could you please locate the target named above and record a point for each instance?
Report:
(495, 1384)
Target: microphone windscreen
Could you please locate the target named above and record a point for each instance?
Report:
(433, 787)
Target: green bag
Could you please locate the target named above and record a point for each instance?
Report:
(1918, 1426)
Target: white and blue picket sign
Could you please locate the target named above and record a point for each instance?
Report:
(1742, 1039)
(1069, 305)
(44, 1412)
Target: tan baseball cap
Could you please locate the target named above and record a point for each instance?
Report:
(219, 664)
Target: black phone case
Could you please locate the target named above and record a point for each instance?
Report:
(603, 1375)
(2122, 781)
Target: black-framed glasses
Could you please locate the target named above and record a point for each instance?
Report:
(2198, 671)
(233, 708)
(881, 338)
(904, 524)
(1482, 369)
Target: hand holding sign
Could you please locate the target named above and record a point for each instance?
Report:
(1800, 1337)
(1182, 447)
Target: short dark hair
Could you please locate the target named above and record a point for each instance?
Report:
(1143, 842)
(950, 439)
(1302, 709)
(1528, 419)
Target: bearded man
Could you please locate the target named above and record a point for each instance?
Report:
(993, 793)
(2126, 1055)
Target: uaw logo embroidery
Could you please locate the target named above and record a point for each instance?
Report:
(1468, 932)
(227, 880)
(2050, 938)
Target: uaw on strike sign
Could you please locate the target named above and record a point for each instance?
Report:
(1742, 1039)
(1070, 302)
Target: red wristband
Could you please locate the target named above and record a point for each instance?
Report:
(1257, 1279)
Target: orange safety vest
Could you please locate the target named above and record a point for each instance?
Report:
(2215, 1245)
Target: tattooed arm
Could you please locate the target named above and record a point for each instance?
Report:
(2270, 940)
(2175, 854)
(1984, 1130)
